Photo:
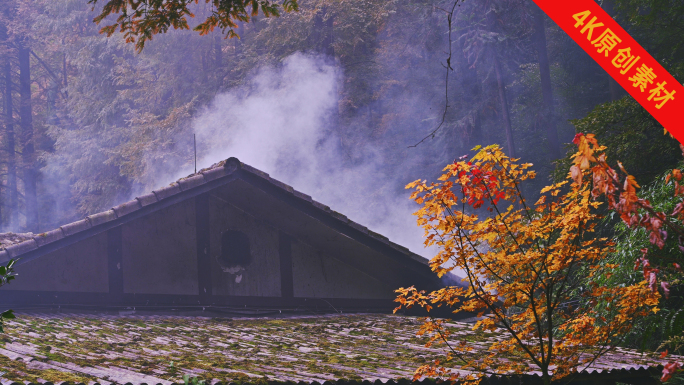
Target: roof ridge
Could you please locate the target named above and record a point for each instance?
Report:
(217, 170)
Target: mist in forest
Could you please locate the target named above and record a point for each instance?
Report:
(330, 99)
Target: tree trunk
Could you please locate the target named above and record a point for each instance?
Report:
(329, 48)
(218, 54)
(64, 74)
(28, 151)
(219, 73)
(472, 87)
(11, 206)
(322, 34)
(548, 110)
(614, 88)
(11, 147)
(505, 114)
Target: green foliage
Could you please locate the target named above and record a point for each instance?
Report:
(7, 274)
(664, 329)
(192, 380)
(671, 329)
(656, 24)
(632, 136)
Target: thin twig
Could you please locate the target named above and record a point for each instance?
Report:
(448, 68)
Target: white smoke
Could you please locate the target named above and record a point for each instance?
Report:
(279, 122)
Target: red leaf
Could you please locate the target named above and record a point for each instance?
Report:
(666, 290)
(678, 209)
(576, 174)
(576, 140)
(653, 280)
(669, 370)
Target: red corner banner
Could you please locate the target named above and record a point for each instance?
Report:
(623, 58)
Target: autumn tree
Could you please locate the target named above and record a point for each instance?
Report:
(524, 265)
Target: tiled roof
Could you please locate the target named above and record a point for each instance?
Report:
(141, 349)
(640, 376)
(20, 244)
(9, 239)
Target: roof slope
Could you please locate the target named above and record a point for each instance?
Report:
(29, 246)
(140, 349)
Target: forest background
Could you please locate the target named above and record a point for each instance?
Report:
(334, 99)
(350, 85)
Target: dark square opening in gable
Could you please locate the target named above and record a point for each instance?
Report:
(234, 249)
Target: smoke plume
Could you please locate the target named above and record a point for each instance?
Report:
(281, 122)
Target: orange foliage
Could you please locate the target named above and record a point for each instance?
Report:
(140, 20)
(526, 267)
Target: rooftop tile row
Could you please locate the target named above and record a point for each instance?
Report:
(593, 377)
